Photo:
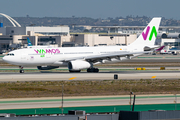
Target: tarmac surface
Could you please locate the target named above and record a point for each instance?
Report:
(124, 73)
(85, 101)
(104, 75)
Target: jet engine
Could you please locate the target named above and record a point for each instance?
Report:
(78, 65)
(46, 67)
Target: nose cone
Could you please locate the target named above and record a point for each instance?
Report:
(11, 60)
(3, 58)
(6, 59)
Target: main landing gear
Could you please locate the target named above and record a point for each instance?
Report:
(93, 70)
(21, 69)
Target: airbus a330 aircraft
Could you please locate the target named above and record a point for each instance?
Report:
(78, 58)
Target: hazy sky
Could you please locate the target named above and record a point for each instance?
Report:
(91, 8)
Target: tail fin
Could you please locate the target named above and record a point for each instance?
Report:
(148, 36)
(159, 49)
(29, 42)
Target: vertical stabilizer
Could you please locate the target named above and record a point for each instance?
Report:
(148, 36)
(159, 49)
(29, 42)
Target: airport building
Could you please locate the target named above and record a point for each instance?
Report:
(63, 40)
(124, 29)
(56, 36)
(172, 40)
(103, 39)
(59, 36)
(17, 36)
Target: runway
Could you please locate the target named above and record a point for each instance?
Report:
(104, 75)
(84, 101)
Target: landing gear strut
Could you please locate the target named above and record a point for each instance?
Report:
(93, 70)
(21, 69)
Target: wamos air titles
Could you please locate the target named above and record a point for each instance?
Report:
(78, 58)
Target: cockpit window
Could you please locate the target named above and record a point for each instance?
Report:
(10, 54)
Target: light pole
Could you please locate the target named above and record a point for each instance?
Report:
(175, 102)
(62, 98)
(131, 93)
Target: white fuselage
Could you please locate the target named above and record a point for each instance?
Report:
(58, 56)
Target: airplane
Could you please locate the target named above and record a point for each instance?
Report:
(78, 58)
(166, 50)
(31, 46)
(29, 42)
(157, 50)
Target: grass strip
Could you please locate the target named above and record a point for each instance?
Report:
(88, 88)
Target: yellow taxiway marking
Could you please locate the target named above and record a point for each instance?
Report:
(72, 78)
(153, 77)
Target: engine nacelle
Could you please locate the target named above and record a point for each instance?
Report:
(78, 65)
(47, 67)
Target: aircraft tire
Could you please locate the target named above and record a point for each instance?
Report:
(21, 71)
(90, 70)
(96, 70)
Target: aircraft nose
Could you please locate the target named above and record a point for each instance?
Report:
(10, 60)
(4, 59)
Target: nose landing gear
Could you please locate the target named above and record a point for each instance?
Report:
(21, 69)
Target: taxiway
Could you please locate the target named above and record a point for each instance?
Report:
(105, 75)
(84, 101)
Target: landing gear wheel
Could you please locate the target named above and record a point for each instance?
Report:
(89, 70)
(96, 70)
(93, 70)
(21, 71)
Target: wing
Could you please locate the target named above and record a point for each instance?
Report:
(95, 58)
